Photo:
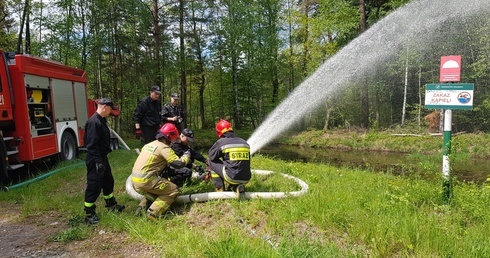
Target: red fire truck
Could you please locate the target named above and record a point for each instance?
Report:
(43, 110)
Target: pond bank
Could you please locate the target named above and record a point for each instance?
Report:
(390, 153)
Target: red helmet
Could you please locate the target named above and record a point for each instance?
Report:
(222, 127)
(169, 131)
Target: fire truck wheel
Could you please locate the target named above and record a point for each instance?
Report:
(68, 147)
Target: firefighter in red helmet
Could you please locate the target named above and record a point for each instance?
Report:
(229, 159)
(154, 157)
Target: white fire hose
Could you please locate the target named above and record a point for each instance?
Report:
(203, 197)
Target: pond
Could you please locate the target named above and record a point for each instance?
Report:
(474, 170)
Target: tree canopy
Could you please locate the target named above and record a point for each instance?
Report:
(239, 59)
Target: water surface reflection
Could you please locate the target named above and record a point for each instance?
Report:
(393, 162)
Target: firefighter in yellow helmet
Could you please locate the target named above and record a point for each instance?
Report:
(154, 157)
(229, 159)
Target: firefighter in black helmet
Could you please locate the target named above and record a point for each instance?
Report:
(180, 176)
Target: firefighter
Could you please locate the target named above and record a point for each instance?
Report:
(97, 140)
(173, 112)
(154, 157)
(179, 176)
(229, 159)
(147, 119)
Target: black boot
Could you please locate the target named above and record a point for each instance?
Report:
(148, 204)
(219, 185)
(91, 217)
(112, 205)
(150, 215)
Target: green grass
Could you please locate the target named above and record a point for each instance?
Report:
(463, 145)
(345, 213)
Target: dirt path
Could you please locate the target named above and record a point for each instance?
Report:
(30, 238)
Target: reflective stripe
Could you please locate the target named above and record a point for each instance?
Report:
(237, 151)
(142, 175)
(149, 148)
(235, 146)
(163, 206)
(141, 180)
(233, 181)
(227, 178)
(224, 130)
(174, 157)
(149, 161)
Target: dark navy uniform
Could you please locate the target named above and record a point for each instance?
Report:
(97, 140)
(170, 111)
(147, 114)
(178, 176)
(98, 143)
(229, 158)
(180, 148)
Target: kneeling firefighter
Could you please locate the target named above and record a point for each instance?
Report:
(229, 159)
(154, 157)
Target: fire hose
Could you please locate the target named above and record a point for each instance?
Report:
(203, 197)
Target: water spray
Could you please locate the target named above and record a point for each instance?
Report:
(362, 56)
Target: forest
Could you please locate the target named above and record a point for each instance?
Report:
(239, 59)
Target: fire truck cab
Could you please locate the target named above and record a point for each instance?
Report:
(43, 110)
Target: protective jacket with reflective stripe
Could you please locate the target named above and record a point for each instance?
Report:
(154, 157)
(234, 153)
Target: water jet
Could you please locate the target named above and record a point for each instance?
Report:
(414, 24)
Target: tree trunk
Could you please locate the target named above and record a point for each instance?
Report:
(420, 98)
(21, 27)
(405, 86)
(28, 29)
(306, 32)
(291, 47)
(364, 85)
(156, 49)
(234, 64)
(183, 77)
(328, 110)
(201, 78)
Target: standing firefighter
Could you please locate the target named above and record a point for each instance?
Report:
(154, 157)
(147, 116)
(99, 174)
(229, 159)
(173, 112)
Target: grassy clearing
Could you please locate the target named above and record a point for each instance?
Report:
(346, 213)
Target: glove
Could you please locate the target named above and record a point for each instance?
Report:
(137, 133)
(207, 166)
(100, 168)
(187, 153)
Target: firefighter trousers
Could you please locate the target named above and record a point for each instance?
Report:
(160, 191)
(148, 133)
(178, 176)
(96, 181)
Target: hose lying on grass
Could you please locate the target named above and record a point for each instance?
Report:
(203, 197)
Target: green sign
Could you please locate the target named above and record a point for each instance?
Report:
(449, 95)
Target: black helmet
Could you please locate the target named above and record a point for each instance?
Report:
(188, 133)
